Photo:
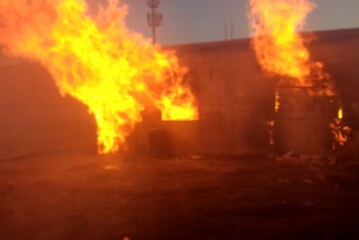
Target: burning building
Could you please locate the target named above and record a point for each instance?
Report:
(112, 70)
(75, 90)
(304, 92)
(211, 98)
(235, 100)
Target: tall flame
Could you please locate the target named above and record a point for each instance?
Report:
(279, 47)
(281, 51)
(114, 71)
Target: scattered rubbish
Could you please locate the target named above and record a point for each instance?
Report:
(287, 159)
(288, 154)
(196, 157)
(308, 181)
(292, 159)
(332, 160)
(284, 181)
(308, 204)
(321, 177)
(112, 167)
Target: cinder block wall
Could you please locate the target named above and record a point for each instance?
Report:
(235, 100)
(339, 50)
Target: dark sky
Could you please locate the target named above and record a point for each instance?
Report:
(187, 21)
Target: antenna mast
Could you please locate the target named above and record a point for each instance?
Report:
(154, 18)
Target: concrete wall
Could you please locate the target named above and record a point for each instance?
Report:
(35, 119)
(339, 50)
(235, 100)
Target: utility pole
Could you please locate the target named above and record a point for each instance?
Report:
(228, 35)
(232, 30)
(154, 18)
(225, 32)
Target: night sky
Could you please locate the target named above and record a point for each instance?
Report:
(188, 21)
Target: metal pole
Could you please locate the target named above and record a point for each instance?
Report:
(225, 31)
(153, 26)
(154, 18)
(232, 30)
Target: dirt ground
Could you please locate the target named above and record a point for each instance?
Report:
(85, 196)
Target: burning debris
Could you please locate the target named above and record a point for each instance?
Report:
(114, 71)
(340, 131)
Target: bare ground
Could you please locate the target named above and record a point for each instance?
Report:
(85, 196)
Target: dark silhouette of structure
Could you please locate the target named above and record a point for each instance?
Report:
(154, 18)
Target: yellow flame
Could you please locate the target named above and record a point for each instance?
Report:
(277, 101)
(279, 47)
(281, 51)
(340, 113)
(114, 71)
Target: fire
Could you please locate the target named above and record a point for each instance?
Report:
(279, 47)
(114, 71)
(277, 101)
(340, 113)
(281, 51)
(340, 132)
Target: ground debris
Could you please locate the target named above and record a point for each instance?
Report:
(308, 181)
(290, 159)
(351, 165)
(287, 159)
(308, 203)
(321, 177)
(284, 181)
(195, 157)
(157, 200)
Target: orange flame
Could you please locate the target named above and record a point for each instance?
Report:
(114, 71)
(279, 47)
(341, 133)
